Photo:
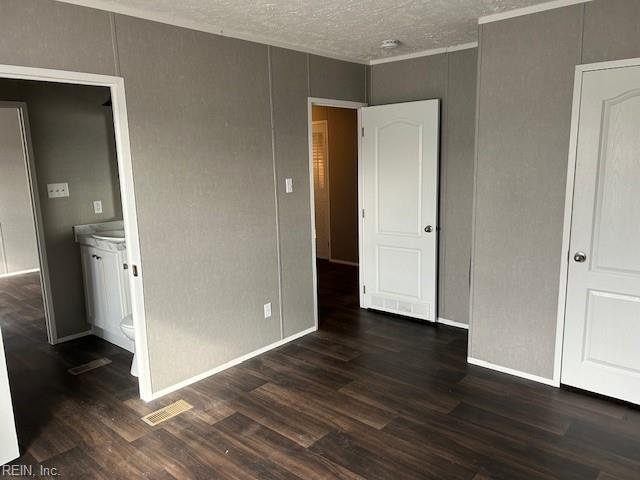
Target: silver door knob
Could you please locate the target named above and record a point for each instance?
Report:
(428, 229)
(579, 257)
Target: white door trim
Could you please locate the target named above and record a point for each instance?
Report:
(125, 170)
(327, 102)
(568, 207)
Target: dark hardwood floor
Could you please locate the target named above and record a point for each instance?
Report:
(367, 396)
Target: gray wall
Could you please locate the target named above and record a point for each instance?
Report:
(204, 113)
(17, 230)
(290, 90)
(58, 35)
(524, 115)
(73, 142)
(337, 80)
(342, 132)
(452, 78)
(203, 171)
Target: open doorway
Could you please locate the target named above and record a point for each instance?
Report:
(70, 281)
(334, 154)
(394, 183)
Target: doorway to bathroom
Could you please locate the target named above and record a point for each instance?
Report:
(71, 295)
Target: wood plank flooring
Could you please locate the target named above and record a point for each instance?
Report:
(367, 396)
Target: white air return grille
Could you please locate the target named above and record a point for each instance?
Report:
(405, 307)
(400, 307)
(85, 367)
(164, 414)
(390, 304)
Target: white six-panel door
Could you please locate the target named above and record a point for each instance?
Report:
(602, 321)
(400, 203)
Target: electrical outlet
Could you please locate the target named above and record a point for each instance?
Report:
(97, 206)
(288, 185)
(267, 310)
(57, 190)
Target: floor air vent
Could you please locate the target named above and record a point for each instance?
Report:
(170, 411)
(85, 367)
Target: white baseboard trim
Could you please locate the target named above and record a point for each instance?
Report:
(453, 323)
(75, 336)
(511, 371)
(20, 272)
(229, 364)
(343, 262)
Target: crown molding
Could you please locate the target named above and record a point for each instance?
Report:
(424, 53)
(518, 12)
(217, 30)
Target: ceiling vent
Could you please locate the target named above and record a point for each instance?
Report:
(390, 44)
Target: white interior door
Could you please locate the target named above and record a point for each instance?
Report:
(400, 203)
(8, 438)
(602, 325)
(321, 189)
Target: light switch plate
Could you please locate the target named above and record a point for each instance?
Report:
(267, 310)
(288, 185)
(57, 190)
(97, 206)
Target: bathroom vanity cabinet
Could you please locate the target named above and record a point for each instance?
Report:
(106, 286)
(106, 289)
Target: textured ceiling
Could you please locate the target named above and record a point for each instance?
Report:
(344, 28)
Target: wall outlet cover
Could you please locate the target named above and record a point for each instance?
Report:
(57, 190)
(267, 310)
(288, 185)
(97, 206)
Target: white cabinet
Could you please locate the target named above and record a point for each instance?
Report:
(106, 292)
(88, 274)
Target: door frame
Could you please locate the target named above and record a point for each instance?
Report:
(568, 207)
(328, 102)
(327, 169)
(36, 214)
(129, 212)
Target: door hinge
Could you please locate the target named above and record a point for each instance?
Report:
(364, 289)
(363, 213)
(363, 131)
(134, 268)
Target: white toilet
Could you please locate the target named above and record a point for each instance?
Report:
(126, 325)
